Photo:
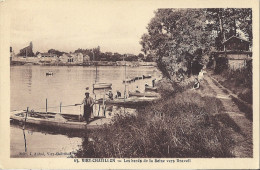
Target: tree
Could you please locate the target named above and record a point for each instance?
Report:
(140, 56)
(172, 33)
(227, 22)
(57, 52)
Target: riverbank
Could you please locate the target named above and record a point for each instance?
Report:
(183, 123)
(96, 63)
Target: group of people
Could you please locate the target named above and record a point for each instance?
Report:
(88, 101)
(111, 96)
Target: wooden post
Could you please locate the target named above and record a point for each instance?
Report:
(60, 106)
(104, 98)
(46, 105)
(25, 118)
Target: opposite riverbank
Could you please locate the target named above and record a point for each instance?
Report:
(183, 123)
(95, 63)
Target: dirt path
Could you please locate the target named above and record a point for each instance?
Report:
(242, 128)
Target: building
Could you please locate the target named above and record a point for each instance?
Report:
(71, 58)
(77, 58)
(47, 57)
(235, 55)
(236, 44)
(86, 58)
(27, 51)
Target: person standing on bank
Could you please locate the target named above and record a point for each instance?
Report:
(88, 106)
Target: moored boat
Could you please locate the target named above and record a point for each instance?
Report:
(49, 73)
(102, 85)
(150, 88)
(147, 76)
(128, 102)
(146, 94)
(57, 120)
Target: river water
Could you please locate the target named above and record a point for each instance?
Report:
(30, 87)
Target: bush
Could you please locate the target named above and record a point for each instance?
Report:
(180, 126)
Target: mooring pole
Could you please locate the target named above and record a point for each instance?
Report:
(46, 105)
(25, 118)
(60, 106)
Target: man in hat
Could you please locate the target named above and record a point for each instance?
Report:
(88, 106)
(110, 95)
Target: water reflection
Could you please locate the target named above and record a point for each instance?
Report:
(33, 143)
(25, 148)
(30, 87)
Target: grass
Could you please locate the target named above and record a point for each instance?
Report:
(239, 82)
(182, 124)
(244, 108)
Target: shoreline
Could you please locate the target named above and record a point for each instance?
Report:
(100, 63)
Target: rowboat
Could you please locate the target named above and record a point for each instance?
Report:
(49, 73)
(128, 102)
(138, 78)
(150, 88)
(128, 80)
(146, 76)
(147, 94)
(57, 120)
(102, 85)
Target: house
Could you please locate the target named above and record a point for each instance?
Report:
(47, 57)
(71, 58)
(86, 58)
(235, 55)
(236, 44)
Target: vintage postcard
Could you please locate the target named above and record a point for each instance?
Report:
(122, 84)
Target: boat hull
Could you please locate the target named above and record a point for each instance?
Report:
(102, 85)
(51, 122)
(143, 94)
(129, 102)
(150, 88)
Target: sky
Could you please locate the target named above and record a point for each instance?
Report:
(66, 25)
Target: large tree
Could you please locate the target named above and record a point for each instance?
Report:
(172, 33)
(175, 34)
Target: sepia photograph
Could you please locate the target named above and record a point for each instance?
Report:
(121, 81)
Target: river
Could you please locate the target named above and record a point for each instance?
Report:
(30, 87)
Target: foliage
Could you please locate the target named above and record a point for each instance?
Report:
(227, 22)
(57, 52)
(97, 55)
(181, 126)
(172, 33)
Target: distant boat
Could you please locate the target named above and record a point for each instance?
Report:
(51, 120)
(50, 73)
(147, 94)
(147, 76)
(129, 80)
(102, 85)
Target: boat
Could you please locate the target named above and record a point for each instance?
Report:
(147, 76)
(128, 80)
(102, 85)
(128, 102)
(145, 94)
(57, 120)
(150, 88)
(50, 73)
(138, 78)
